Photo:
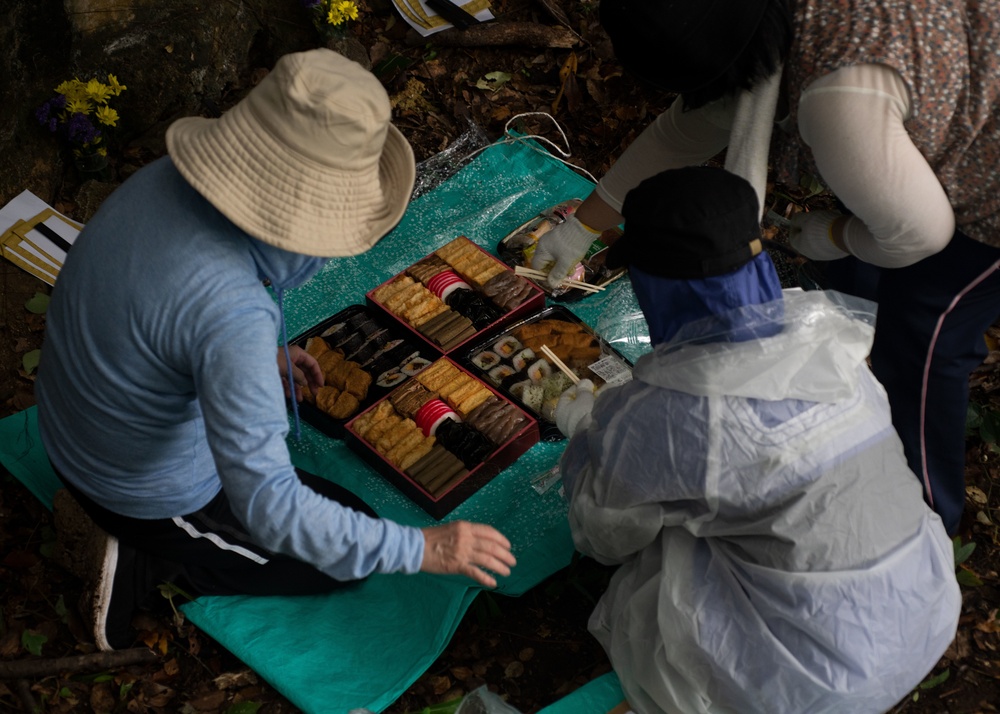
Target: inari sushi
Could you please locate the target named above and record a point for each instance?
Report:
(486, 360)
(507, 346)
(539, 370)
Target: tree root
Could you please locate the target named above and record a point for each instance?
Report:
(494, 34)
(35, 668)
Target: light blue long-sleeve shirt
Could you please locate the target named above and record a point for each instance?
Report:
(158, 385)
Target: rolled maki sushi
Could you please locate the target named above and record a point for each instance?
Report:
(384, 350)
(517, 389)
(533, 396)
(414, 366)
(351, 343)
(507, 346)
(539, 370)
(500, 372)
(555, 384)
(522, 359)
(390, 378)
(486, 360)
(332, 330)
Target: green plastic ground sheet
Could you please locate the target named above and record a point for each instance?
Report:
(364, 646)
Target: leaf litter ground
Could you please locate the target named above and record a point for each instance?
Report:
(532, 650)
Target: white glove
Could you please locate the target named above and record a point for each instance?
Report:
(574, 407)
(810, 234)
(559, 250)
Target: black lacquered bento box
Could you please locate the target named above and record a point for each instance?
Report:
(442, 436)
(364, 356)
(513, 362)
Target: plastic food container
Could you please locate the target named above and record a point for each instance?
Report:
(512, 361)
(517, 247)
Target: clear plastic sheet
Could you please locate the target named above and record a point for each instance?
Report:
(446, 163)
(622, 324)
(490, 193)
(483, 701)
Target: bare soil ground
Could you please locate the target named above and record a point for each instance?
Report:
(535, 649)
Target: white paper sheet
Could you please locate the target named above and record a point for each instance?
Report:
(425, 21)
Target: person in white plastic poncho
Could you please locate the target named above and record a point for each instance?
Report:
(776, 552)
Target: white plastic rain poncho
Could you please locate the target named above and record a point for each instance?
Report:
(776, 553)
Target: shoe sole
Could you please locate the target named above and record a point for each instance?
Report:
(91, 555)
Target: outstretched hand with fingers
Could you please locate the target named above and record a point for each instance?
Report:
(470, 549)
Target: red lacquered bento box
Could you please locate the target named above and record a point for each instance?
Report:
(441, 436)
(456, 294)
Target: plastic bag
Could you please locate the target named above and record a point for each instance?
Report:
(483, 701)
(623, 326)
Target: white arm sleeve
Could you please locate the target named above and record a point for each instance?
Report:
(675, 138)
(853, 121)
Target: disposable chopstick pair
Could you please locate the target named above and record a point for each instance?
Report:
(559, 363)
(541, 274)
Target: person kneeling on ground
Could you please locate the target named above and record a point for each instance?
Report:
(776, 552)
(160, 404)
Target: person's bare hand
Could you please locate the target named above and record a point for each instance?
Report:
(305, 370)
(470, 549)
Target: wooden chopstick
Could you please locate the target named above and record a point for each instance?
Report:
(579, 284)
(559, 363)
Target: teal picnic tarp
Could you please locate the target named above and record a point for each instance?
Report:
(363, 647)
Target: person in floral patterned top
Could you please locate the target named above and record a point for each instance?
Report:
(895, 106)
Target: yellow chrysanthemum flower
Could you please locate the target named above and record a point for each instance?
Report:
(98, 91)
(349, 10)
(116, 88)
(74, 106)
(73, 89)
(102, 151)
(340, 11)
(107, 116)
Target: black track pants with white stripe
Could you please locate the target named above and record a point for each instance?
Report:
(208, 552)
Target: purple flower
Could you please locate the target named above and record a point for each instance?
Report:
(46, 114)
(80, 130)
(311, 3)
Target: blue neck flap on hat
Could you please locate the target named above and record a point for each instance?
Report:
(669, 305)
(285, 270)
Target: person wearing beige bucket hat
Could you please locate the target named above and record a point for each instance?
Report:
(308, 162)
(160, 404)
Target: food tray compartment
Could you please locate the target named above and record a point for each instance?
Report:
(517, 247)
(383, 356)
(512, 361)
(455, 294)
(442, 436)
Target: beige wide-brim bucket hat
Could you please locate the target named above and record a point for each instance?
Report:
(308, 161)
